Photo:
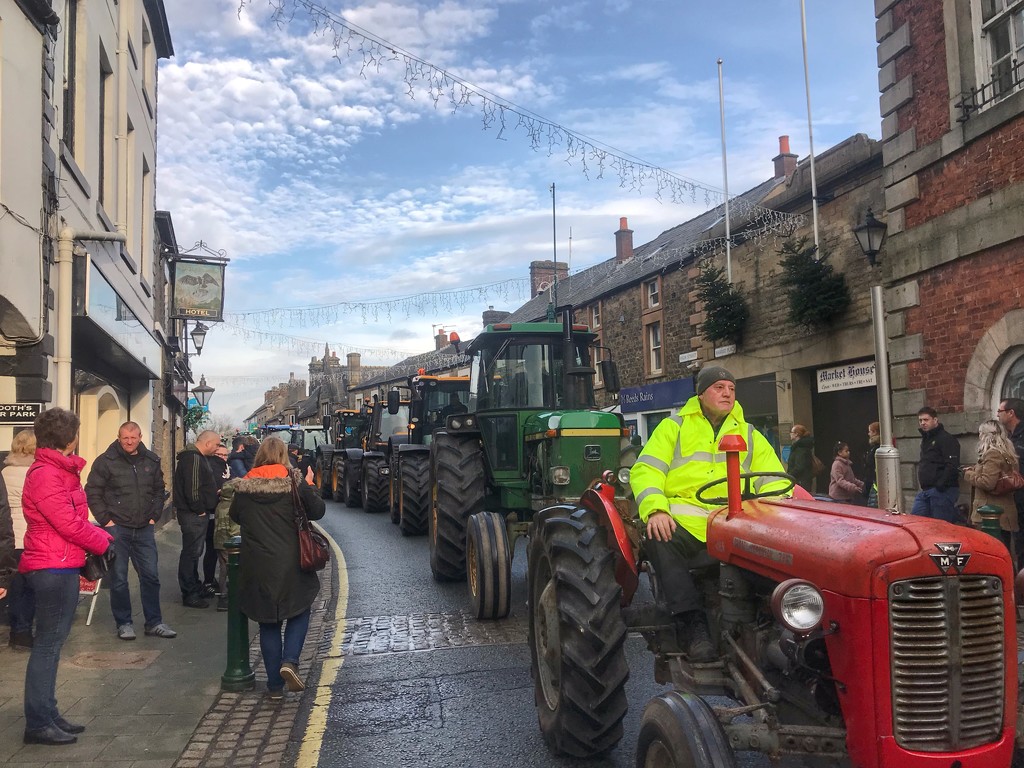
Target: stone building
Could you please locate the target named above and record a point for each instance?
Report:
(78, 248)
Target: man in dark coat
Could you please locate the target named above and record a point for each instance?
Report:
(126, 492)
(195, 499)
(938, 470)
(1011, 416)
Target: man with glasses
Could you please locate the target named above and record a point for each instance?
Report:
(1010, 413)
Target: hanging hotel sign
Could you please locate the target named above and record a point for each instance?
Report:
(849, 376)
(19, 413)
(197, 289)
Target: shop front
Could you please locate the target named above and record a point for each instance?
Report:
(844, 402)
(644, 407)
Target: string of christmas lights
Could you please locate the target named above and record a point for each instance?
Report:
(592, 156)
(312, 347)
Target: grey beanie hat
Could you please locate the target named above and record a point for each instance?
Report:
(709, 376)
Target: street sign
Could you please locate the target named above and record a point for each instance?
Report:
(19, 413)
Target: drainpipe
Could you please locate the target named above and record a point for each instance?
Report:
(121, 135)
(65, 255)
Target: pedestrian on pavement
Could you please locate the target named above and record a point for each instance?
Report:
(274, 591)
(126, 494)
(801, 456)
(21, 604)
(57, 537)
(195, 498)
(1011, 415)
(219, 467)
(842, 483)
(237, 463)
(938, 470)
(870, 478)
(224, 529)
(996, 457)
(8, 559)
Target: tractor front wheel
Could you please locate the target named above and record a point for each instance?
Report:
(577, 634)
(337, 483)
(457, 487)
(488, 565)
(414, 494)
(352, 493)
(375, 485)
(322, 477)
(678, 730)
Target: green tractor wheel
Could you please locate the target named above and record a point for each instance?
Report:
(577, 634)
(488, 565)
(375, 485)
(414, 494)
(457, 488)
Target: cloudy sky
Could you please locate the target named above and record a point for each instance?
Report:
(362, 210)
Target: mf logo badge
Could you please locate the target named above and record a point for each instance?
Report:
(592, 452)
(950, 558)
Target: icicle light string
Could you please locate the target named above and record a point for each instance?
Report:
(442, 87)
(312, 347)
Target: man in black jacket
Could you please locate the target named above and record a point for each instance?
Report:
(1011, 415)
(126, 492)
(938, 470)
(195, 498)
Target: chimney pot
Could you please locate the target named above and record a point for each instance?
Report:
(785, 161)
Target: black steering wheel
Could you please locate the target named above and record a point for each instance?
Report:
(746, 494)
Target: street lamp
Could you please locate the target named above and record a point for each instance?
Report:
(870, 236)
(203, 392)
(199, 337)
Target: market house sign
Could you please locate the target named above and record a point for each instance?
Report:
(849, 376)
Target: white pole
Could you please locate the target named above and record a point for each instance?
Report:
(810, 128)
(725, 177)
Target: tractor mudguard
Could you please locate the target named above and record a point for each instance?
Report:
(410, 448)
(601, 500)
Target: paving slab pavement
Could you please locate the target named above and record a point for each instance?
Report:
(157, 703)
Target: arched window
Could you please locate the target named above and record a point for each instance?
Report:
(1013, 376)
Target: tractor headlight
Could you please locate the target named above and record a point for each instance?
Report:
(623, 476)
(560, 475)
(798, 605)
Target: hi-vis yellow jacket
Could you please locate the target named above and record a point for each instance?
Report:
(682, 455)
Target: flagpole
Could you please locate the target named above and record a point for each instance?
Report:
(725, 177)
(810, 128)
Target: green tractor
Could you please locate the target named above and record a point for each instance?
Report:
(431, 400)
(388, 428)
(341, 463)
(532, 438)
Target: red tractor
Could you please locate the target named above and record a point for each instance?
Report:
(845, 635)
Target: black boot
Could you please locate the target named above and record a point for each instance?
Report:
(699, 647)
(50, 735)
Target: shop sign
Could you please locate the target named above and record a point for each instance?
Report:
(197, 290)
(849, 376)
(19, 413)
(653, 397)
(725, 351)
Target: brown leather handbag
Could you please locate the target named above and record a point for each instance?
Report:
(314, 552)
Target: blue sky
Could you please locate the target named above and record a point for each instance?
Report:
(329, 186)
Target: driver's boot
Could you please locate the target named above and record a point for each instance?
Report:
(699, 647)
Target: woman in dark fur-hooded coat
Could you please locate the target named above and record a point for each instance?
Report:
(272, 589)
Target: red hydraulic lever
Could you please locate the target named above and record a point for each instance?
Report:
(732, 445)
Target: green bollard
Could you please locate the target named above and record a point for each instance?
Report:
(990, 514)
(238, 676)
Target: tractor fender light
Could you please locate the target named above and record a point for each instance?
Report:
(623, 476)
(456, 423)
(798, 606)
(560, 475)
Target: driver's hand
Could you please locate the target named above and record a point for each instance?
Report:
(309, 476)
(660, 526)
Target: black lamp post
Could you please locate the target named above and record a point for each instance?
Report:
(199, 337)
(203, 392)
(870, 236)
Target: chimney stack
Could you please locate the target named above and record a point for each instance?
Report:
(542, 274)
(441, 340)
(785, 161)
(623, 242)
(492, 316)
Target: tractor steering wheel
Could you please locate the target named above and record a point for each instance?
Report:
(747, 494)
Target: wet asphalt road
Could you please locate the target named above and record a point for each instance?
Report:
(470, 705)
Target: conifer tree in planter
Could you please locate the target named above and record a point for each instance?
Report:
(725, 309)
(818, 295)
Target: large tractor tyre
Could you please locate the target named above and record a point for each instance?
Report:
(375, 485)
(337, 482)
(678, 730)
(394, 490)
(488, 565)
(414, 494)
(457, 488)
(577, 634)
(353, 493)
(321, 476)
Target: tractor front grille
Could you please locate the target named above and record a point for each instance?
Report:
(948, 659)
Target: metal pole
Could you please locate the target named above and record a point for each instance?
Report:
(554, 249)
(238, 675)
(887, 458)
(725, 176)
(810, 127)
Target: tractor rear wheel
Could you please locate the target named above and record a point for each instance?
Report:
(678, 730)
(353, 496)
(577, 633)
(488, 565)
(322, 477)
(375, 485)
(337, 483)
(414, 494)
(457, 488)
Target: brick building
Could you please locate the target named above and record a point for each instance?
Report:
(951, 76)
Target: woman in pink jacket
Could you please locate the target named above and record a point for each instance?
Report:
(843, 485)
(57, 537)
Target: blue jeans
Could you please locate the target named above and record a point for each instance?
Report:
(21, 603)
(56, 595)
(139, 546)
(937, 504)
(275, 653)
(193, 539)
